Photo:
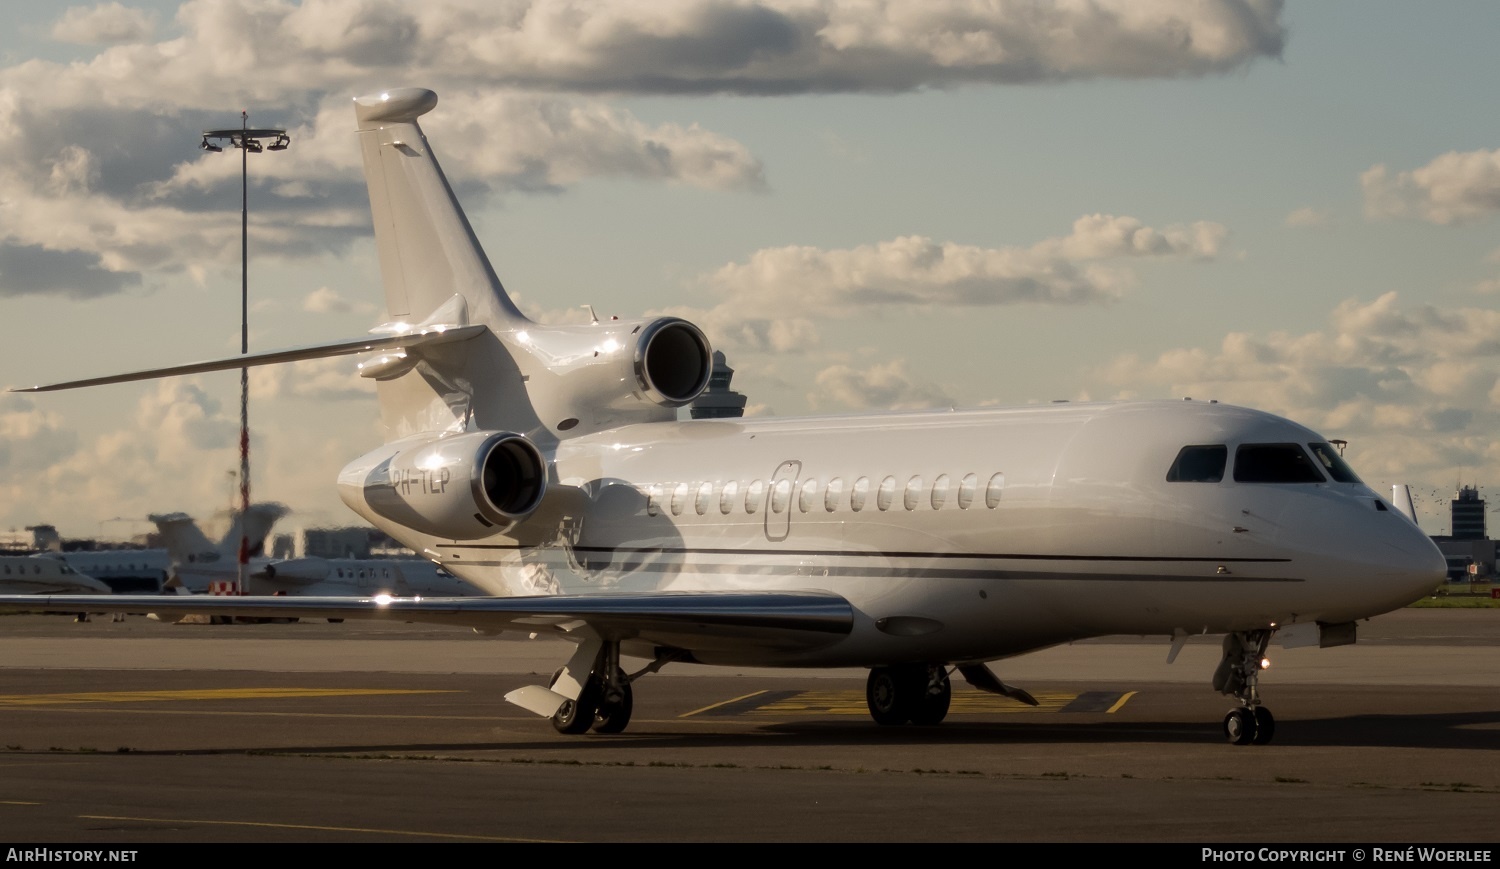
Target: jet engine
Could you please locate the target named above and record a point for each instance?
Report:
(613, 372)
(458, 486)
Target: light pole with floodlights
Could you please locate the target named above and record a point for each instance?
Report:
(248, 141)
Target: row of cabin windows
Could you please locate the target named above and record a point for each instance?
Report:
(811, 494)
(349, 573)
(1261, 463)
(21, 569)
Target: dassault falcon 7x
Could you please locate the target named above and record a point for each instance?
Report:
(546, 465)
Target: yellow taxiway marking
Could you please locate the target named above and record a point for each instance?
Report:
(714, 706)
(202, 694)
(853, 703)
(17, 803)
(1121, 702)
(377, 831)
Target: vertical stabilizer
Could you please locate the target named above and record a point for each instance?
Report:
(428, 252)
(428, 257)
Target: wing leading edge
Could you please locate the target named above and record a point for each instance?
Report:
(785, 621)
(409, 341)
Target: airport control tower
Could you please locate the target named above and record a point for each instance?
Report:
(718, 401)
(1468, 515)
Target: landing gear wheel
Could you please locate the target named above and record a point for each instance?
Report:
(1239, 726)
(1265, 726)
(577, 716)
(932, 708)
(888, 696)
(613, 716)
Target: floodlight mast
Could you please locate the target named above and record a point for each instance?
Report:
(248, 141)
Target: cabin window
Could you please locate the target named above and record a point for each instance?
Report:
(966, 489)
(993, 490)
(781, 496)
(679, 498)
(726, 498)
(705, 495)
(859, 493)
(653, 501)
(7, 570)
(1333, 463)
(885, 494)
(913, 494)
(1274, 463)
(809, 496)
(939, 491)
(752, 496)
(1199, 464)
(832, 495)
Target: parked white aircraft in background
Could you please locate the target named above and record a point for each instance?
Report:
(546, 465)
(45, 574)
(198, 565)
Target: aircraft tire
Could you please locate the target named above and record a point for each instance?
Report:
(892, 694)
(1265, 726)
(1239, 726)
(577, 716)
(932, 707)
(614, 717)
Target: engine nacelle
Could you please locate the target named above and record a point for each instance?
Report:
(603, 374)
(460, 486)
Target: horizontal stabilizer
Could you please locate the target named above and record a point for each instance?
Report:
(409, 341)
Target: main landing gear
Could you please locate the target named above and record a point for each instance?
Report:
(604, 706)
(1244, 658)
(921, 693)
(910, 693)
(604, 700)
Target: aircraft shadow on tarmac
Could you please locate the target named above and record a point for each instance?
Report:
(1463, 731)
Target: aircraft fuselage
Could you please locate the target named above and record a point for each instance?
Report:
(964, 535)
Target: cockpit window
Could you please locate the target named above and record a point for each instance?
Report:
(1333, 463)
(1202, 464)
(1274, 463)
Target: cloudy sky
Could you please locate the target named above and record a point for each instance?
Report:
(867, 204)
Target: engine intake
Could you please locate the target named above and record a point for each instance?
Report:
(672, 361)
(461, 487)
(585, 378)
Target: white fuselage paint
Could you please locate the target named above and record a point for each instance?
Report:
(1087, 537)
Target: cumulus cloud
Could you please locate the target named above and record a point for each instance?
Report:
(1413, 389)
(105, 24)
(1453, 188)
(144, 200)
(30, 438)
(326, 300)
(882, 386)
(1309, 216)
(684, 46)
(791, 284)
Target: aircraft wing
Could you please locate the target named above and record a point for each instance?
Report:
(786, 620)
(406, 341)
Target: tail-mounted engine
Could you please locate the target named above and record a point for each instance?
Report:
(610, 373)
(456, 486)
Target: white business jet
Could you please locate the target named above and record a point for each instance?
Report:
(45, 574)
(198, 564)
(546, 465)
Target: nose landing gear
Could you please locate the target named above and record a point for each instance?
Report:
(1244, 657)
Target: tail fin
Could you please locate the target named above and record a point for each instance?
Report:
(428, 256)
(255, 527)
(187, 544)
(428, 252)
(184, 540)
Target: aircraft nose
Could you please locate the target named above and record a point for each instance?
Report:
(1407, 563)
